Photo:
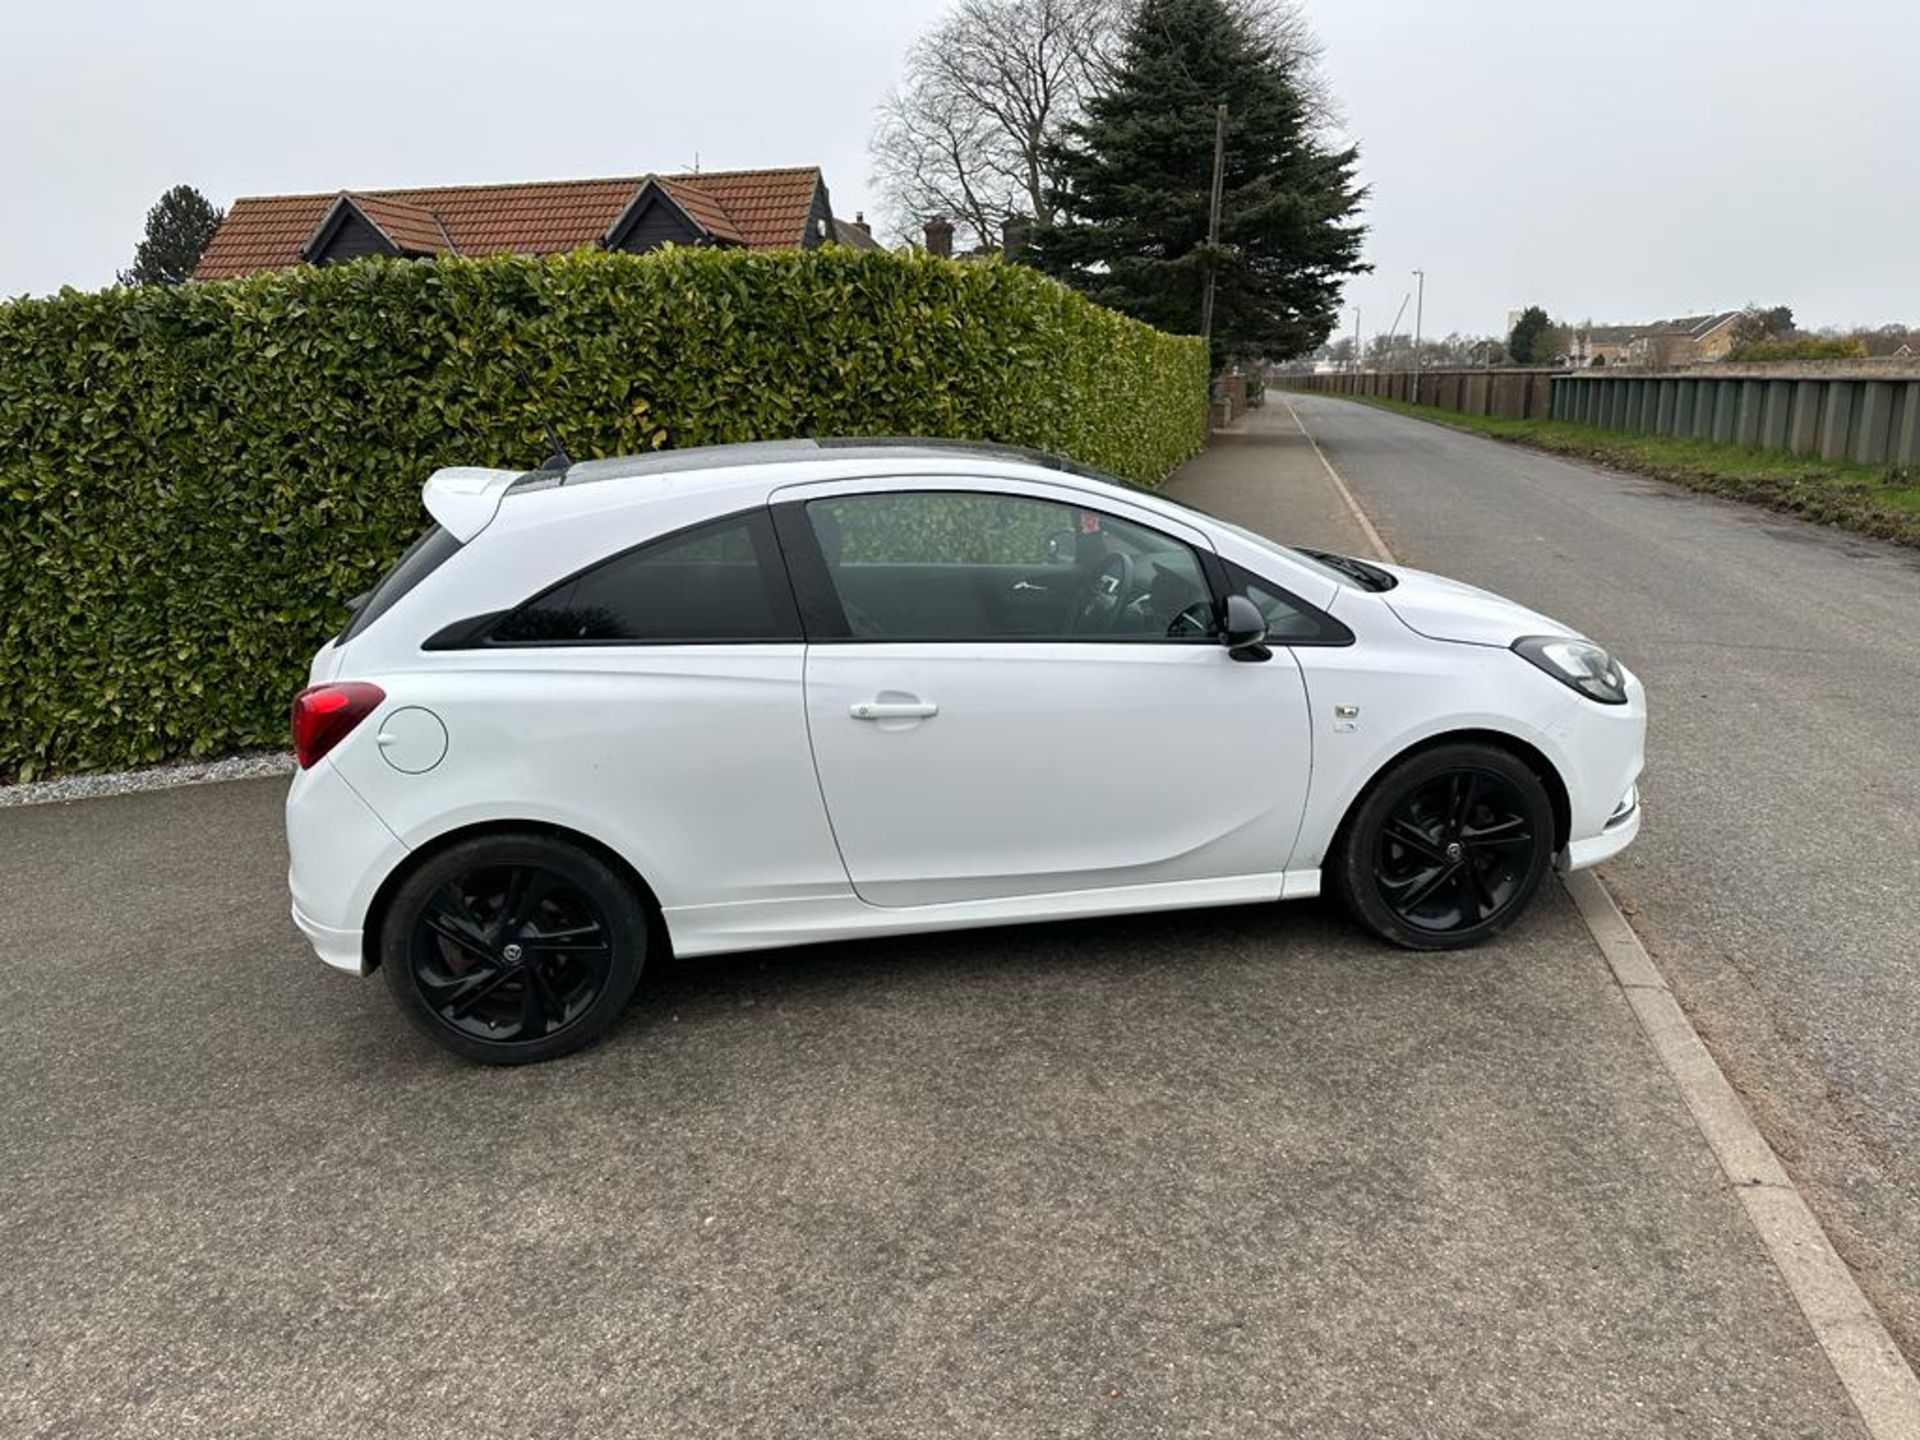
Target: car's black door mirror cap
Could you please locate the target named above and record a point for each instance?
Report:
(1245, 630)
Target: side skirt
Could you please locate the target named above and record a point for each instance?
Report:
(765, 924)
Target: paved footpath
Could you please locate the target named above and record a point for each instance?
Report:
(1233, 1173)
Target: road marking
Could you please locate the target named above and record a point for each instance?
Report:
(1882, 1387)
(1381, 550)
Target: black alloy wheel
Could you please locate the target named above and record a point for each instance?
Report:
(508, 949)
(1448, 847)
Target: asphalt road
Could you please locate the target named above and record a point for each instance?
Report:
(1777, 877)
(1215, 1174)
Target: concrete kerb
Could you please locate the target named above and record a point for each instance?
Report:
(1882, 1387)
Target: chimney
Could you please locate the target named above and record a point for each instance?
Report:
(860, 224)
(940, 237)
(1013, 236)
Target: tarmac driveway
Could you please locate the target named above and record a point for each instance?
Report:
(1224, 1173)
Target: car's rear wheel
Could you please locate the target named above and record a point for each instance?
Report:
(1448, 847)
(513, 948)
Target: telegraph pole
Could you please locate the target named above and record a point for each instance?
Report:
(1419, 305)
(1356, 339)
(1213, 221)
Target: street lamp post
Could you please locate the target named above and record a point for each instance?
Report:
(1419, 306)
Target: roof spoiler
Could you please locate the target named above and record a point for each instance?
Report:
(464, 498)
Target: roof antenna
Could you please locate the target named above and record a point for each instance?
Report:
(559, 462)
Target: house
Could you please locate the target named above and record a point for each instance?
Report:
(855, 234)
(1661, 344)
(1600, 344)
(755, 209)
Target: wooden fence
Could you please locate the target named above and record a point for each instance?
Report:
(1512, 394)
(1867, 412)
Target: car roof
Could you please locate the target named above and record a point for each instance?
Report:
(775, 452)
(467, 501)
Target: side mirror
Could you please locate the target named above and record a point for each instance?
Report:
(1246, 629)
(1063, 547)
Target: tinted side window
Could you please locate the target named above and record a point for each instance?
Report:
(1290, 620)
(422, 558)
(717, 582)
(963, 565)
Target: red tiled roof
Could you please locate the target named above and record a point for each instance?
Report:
(769, 207)
(757, 208)
(412, 227)
(706, 211)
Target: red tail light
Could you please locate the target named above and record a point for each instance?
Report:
(324, 715)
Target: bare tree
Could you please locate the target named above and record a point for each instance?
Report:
(1285, 27)
(966, 132)
(1390, 350)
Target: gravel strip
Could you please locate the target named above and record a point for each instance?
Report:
(155, 777)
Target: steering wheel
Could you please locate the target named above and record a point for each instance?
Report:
(1100, 599)
(1196, 621)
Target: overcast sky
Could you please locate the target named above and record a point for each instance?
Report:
(1622, 161)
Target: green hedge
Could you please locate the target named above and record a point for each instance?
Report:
(193, 479)
(1801, 347)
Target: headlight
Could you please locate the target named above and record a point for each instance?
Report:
(1579, 663)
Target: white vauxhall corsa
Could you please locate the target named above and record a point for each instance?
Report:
(766, 694)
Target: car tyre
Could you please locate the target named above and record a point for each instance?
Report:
(1447, 848)
(510, 949)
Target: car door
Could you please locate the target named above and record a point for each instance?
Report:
(1012, 691)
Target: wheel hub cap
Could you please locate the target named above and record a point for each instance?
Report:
(1454, 850)
(510, 953)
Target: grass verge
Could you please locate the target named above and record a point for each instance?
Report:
(1882, 501)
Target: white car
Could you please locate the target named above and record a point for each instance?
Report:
(768, 694)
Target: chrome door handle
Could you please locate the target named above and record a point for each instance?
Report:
(894, 709)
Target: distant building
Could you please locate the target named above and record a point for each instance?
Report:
(753, 209)
(1014, 236)
(856, 233)
(1659, 344)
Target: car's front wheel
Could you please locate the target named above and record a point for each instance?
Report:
(513, 948)
(1448, 847)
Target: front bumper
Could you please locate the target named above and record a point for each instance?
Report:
(1614, 836)
(1602, 750)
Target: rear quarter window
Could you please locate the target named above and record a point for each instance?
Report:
(718, 582)
(422, 558)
